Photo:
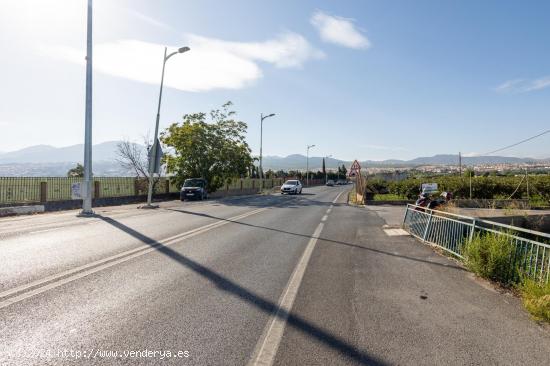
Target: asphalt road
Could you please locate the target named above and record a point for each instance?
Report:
(263, 280)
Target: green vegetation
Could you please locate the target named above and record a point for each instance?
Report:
(536, 299)
(76, 172)
(352, 196)
(389, 197)
(212, 148)
(488, 255)
(483, 187)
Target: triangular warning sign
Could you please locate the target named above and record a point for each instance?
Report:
(355, 165)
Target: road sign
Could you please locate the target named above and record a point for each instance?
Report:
(429, 187)
(156, 167)
(355, 169)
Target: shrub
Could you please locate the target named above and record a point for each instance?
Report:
(536, 299)
(488, 255)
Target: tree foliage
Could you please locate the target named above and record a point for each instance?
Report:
(77, 171)
(210, 146)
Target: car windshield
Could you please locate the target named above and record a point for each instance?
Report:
(193, 183)
(291, 182)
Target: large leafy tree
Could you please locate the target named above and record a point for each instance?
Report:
(210, 146)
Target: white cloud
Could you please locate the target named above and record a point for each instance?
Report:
(523, 85)
(338, 30)
(211, 63)
(147, 19)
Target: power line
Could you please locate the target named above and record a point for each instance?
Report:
(517, 143)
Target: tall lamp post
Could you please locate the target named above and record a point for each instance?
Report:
(87, 199)
(307, 164)
(262, 117)
(326, 174)
(155, 147)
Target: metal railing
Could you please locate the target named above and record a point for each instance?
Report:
(450, 232)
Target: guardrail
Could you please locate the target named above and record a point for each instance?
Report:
(451, 232)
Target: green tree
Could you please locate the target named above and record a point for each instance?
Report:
(77, 171)
(210, 146)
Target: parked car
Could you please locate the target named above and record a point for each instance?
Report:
(194, 188)
(292, 187)
(330, 183)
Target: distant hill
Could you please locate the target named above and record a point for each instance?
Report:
(105, 151)
(45, 160)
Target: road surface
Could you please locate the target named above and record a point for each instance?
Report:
(263, 280)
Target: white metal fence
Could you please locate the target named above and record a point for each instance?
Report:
(531, 254)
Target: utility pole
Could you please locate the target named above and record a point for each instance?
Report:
(459, 163)
(87, 191)
(262, 117)
(527, 180)
(470, 173)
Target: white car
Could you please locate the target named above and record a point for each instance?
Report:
(292, 187)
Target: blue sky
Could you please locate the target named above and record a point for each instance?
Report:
(360, 79)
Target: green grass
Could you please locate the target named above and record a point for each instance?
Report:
(488, 256)
(536, 299)
(389, 197)
(352, 197)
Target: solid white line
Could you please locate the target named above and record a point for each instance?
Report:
(104, 263)
(336, 199)
(267, 346)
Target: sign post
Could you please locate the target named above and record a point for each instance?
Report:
(355, 171)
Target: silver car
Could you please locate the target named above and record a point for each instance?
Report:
(292, 187)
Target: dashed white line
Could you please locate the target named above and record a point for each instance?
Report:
(267, 346)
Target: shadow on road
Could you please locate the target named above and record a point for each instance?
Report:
(347, 350)
(378, 251)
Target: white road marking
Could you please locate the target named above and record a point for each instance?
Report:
(336, 199)
(90, 268)
(267, 346)
(395, 232)
(324, 218)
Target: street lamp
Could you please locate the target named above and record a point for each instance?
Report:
(326, 174)
(87, 199)
(262, 117)
(152, 162)
(307, 164)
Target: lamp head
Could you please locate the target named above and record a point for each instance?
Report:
(183, 49)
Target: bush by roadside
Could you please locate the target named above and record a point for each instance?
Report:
(536, 299)
(489, 255)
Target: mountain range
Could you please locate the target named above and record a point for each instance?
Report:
(45, 160)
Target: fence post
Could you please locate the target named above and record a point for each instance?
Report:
(167, 186)
(473, 229)
(97, 189)
(405, 217)
(241, 184)
(136, 187)
(43, 192)
(428, 226)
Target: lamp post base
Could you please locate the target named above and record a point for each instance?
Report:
(86, 213)
(148, 207)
